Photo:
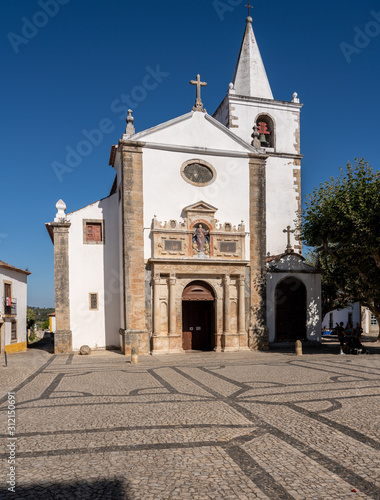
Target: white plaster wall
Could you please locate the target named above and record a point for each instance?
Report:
(282, 205)
(313, 288)
(342, 315)
(19, 292)
(166, 193)
(95, 269)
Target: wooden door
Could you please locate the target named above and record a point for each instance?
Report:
(196, 326)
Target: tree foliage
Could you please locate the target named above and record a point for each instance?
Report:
(341, 221)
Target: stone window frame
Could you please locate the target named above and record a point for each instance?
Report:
(93, 221)
(270, 118)
(97, 301)
(199, 162)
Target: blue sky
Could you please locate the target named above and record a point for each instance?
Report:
(65, 72)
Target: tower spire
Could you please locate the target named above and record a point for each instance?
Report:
(250, 78)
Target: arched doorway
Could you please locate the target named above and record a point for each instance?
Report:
(290, 300)
(198, 313)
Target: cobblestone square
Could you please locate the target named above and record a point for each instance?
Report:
(265, 425)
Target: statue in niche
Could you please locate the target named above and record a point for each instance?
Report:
(201, 239)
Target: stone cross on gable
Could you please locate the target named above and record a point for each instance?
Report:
(289, 248)
(198, 102)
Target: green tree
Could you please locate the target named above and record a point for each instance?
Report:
(31, 317)
(341, 221)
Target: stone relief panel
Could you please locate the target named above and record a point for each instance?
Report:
(198, 236)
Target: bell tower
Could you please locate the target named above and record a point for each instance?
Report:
(272, 126)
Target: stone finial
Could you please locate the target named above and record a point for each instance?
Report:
(130, 129)
(256, 141)
(61, 207)
(295, 98)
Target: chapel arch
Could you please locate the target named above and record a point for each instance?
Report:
(291, 310)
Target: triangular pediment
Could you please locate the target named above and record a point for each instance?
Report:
(194, 131)
(201, 207)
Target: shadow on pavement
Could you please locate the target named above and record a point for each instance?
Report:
(46, 343)
(97, 490)
(329, 345)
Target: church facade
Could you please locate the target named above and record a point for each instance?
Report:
(188, 250)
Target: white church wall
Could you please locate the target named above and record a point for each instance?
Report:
(282, 204)
(166, 193)
(312, 283)
(94, 268)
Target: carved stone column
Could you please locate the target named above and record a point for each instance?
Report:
(243, 338)
(175, 339)
(172, 306)
(241, 301)
(227, 305)
(156, 306)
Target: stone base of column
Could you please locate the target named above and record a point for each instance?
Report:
(134, 338)
(243, 341)
(160, 344)
(175, 344)
(230, 342)
(63, 342)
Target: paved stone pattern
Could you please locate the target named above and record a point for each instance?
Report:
(248, 425)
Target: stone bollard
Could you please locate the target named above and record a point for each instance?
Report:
(298, 348)
(134, 356)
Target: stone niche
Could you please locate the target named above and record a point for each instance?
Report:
(198, 236)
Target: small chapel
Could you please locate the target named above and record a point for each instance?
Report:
(194, 248)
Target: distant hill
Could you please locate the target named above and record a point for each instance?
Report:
(42, 313)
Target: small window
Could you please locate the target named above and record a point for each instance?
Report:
(373, 319)
(93, 302)
(93, 232)
(13, 331)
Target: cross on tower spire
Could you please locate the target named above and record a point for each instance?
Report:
(198, 102)
(249, 8)
(289, 248)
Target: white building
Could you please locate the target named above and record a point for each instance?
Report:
(188, 252)
(350, 314)
(13, 309)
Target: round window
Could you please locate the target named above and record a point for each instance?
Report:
(198, 173)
